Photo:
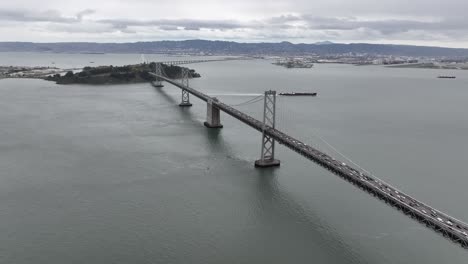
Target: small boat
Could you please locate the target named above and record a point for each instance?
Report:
(298, 94)
(446, 77)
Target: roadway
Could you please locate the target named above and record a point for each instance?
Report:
(181, 62)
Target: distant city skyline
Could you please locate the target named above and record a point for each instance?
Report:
(428, 23)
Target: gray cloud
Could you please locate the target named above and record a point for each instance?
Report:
(284, 19)
(284, 22)
(389, 26)
(169, 28)
(41, 16)
(301, 24)
(85, 12)
(174, 24)
(30, 16)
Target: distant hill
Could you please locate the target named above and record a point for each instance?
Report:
(324, 43)
(234, 48)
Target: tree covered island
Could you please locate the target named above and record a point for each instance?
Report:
(136, 73)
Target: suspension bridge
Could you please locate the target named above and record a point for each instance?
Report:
(181, 62)
(448, 226)
(192, 61)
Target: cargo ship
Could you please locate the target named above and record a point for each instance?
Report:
(298, 94)
(446, 77)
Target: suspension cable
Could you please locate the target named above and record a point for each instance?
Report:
(250, 101)
(341, 153)
(335, 149)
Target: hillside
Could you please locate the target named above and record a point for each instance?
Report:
(233, 48)
(118, 74)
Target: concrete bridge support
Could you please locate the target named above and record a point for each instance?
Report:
(267, 158)
(213, 119)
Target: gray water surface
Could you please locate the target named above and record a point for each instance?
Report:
(121, 174)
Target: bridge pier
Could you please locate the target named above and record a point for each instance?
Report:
(267, 163)
(267, 158)
(213, 119)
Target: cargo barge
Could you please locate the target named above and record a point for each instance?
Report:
(298, 94)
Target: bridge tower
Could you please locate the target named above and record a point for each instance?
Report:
(158, 71)
(267, 158)
(185, 94)
(212, 114)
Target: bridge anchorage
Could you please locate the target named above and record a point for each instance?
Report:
(267, 158)
(185, 102)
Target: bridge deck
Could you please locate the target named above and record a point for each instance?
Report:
(448, 226)
(180, 62)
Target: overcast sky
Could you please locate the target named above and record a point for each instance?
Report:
(421, 22)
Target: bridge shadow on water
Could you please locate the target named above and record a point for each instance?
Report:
(295, 220)
(212, 135)
(184, 111)
(302, 222)
(276, 203)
